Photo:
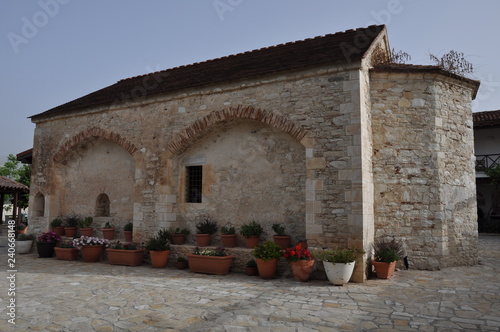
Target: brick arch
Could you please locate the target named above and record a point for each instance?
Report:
(93, 132)
(183, 140)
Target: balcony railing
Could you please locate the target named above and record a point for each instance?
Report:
(487, 161)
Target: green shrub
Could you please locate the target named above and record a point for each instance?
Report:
(251, 229)
(267, 251)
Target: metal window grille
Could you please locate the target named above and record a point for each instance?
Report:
(194, 177)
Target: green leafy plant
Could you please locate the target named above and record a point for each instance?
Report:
(164, 235)
(219, 251)
(207, 226)
(279, 229)
(251, 229)
(71, 220)
(179, 230)
(25, 237)
(157, 244)
(128, 227)
(123, 246)
(108, 225)
(251, 263)
(387, 251)
(228, 229)
(65, 244)
(56, 222)
(86, 222)
(267, 251)
(338, 255)
(181, 260)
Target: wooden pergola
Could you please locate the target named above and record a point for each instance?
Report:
(11, 187)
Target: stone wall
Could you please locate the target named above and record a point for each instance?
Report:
(423, 167)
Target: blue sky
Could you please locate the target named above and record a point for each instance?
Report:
(54, 51)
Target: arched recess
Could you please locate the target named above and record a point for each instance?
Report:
(38, 208)
(200, 127)
(93, 132)
(102, 206)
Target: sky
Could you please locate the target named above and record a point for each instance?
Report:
(54, 51)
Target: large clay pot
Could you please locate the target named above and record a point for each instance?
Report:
(302, 269)
(267, 269)
(228, 241)
(59, 230)
(202, 240)
(339, 274)
(70, 231)
(108, 233)
(125, 257)
(23, 247)
(252, 241)
(128, 235)
(384, 270)
(210, 264)
(68, 254)
(87, 231)
(282, 241)
(159, 259)
(91, 254)
(45, 249)
(178, 238)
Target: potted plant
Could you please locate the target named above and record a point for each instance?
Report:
(338, 263)
(71, 225)
(57, 226)
(85, 226)
(228, 236)
(66, 251)
(204, 230)
(267, 255)
(24, 242)
(251, 268)
(179, 235)
(385, 256)
(91, 247)
(22, 228)
(210, 261)
(124, 254)
(45, 244)
(301, 261)
(127, 231)
(108, 231)
(181, 263)
(280, 237)
(251, 232)
(159, 249)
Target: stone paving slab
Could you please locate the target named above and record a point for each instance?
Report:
(54, 295)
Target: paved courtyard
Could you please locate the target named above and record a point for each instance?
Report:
(54, 295)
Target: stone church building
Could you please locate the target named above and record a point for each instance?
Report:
(324, 135)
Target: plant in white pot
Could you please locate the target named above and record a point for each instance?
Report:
(24, 242)
(338, 263)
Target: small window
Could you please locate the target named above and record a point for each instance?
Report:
(194, 177)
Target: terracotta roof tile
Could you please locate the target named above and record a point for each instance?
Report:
(8, 186)
(487, 118)
(343, 47)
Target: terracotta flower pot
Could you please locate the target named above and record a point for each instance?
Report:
(86, 231)
(384, 270)
(91, 254)
(159, 259)
(302, 269)
(203, 240)
(59, 230)
(108, 233)
(252, 241)
(68, 254)
(210, 264)
(228, 241)
(282, 241)
(70, 231)
(267, 269)
(178, 238)
(125, 257)
(181, 265)
(128, 235)
(45, 249)
(251, 271)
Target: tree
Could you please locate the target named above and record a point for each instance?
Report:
(20, 173)
(453, 62)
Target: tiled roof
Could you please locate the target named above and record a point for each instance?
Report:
(399, 67)
(487, 118)
(342, 47)
(8, 186)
